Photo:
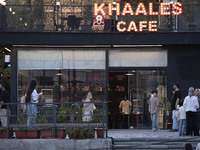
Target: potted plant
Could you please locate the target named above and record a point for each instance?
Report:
(38, 13)
(166, 105)
(80, 133)
(98, 119)
(61, 117)
(73, 133)
(87, 133)
(24, 133)
(189, 13)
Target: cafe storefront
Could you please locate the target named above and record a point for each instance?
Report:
(68, 74)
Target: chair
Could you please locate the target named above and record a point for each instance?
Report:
(73, 22)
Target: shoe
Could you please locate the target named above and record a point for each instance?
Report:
(154, 130)
(173, 130)
(157, 129)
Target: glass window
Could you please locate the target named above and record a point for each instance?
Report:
(63, 75)
(138, 58)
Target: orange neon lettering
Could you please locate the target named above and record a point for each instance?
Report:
(111, 9)
(178, 10)
(141, 9)
(153, 26)
(127, 9)
(132, 26)
(151, 12)
(164, 7)
(98, 9)
(119, 28)
(142, 25)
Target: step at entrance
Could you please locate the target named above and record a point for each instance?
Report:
(154, 143)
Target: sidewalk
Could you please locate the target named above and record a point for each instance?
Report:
(142, 133)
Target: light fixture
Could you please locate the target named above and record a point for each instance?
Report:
(171, 2)
(7, 49)
(25, 24)
(59, 74)
(2, 2)
(13, 13)
(58, 3)
(10, 9)
(129, 74)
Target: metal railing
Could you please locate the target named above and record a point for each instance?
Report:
(80, 18)
(56, 115)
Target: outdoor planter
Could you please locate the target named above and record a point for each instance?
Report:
(99, 133)
(47, 134)
(27, 134)
(81, 133)
(3, 133)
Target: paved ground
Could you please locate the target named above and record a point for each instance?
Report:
(141, 133)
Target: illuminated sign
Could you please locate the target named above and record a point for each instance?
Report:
(164, 9)
(98, 20)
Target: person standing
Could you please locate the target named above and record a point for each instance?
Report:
(174, 103)
(153, 109)
(191, 105)
(4, 98)
(197, 94)
(32, 100)
(124, 109)
(88, 108)
(182, 119)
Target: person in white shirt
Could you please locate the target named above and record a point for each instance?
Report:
(32, 100)
(191, 105)
(182, 112)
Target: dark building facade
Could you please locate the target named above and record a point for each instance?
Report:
(68, 64)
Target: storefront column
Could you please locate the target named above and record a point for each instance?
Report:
(13, 85)
(107, 76)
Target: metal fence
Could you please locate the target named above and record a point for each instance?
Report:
(80, 18)
(54, 116)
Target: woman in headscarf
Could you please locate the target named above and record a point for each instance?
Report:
(197, 94)
(191, 105)
(88, 108)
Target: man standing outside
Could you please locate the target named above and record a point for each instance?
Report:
(174, 103)
(4, 98)
(153, 109)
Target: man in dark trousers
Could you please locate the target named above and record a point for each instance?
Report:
(4, 98)
(174, 103)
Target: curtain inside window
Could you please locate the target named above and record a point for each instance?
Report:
(39, 59)
(89, 59)
(142, 58)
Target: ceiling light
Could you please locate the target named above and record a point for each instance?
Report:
(129, 74)
(7, 49)
(59, 74)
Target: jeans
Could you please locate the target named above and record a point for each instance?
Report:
(154, 121)
(175, 121)
(191, 121)
(31, 114)
(182, 127)
(198, 120)
(3, 117)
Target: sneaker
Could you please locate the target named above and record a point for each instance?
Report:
(173, 130)
(157, 129)
(154, 130)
